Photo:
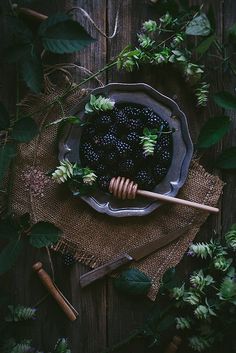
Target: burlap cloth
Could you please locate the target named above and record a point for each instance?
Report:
(95, 238)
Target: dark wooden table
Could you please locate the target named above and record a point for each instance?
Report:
(106, 316)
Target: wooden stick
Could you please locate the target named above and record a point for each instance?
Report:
(164, 198)
(46, 280)
(174, 345)
(30, 14)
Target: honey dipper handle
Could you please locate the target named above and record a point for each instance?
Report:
(164, 198)
(48, 283)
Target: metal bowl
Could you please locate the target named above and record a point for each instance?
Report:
(167, 109)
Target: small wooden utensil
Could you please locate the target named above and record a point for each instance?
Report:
(64, 304)
(124, 188)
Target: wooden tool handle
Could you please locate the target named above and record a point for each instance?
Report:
(164, 198)
(48, 283)
(104, 270)
(30, 14)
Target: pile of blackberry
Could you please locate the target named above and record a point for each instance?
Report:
(110, 145)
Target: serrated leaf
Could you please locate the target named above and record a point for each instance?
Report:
(7, 153)
(8, 229)
(213, 131)
(60, 34)
(205, 45)
(227, 160)
(44, 234)
(9, 255)
(4, 117)
(225, 100)
(133, 282)
(199, 26)
(25, 130)
(31, 70)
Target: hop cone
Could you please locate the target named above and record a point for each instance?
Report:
(201, 250)
(192, 298)
(20, 313)
(150, 26)
(89, 177)
(99, 103)
(177, 292)
(11, 346)
(221, 263)
(63, 172)
(199, 281)
(199, 344)
(148, 140)
(62, 346)
(230, 237)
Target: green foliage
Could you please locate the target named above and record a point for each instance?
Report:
(44, 234)
(230, 237)
(225, 100)
(199, 26)
(63, 172)
(24, 130)
(11, 346)
(213, 131)
(205, 45)
(9, 255)
(199, 281)
(61, 34)
(31, 70)
(228, 287)
(62, 346)
(232, 31)
(227, 159)
(19, 313)
(150, 26)
(148, 140)
(183, 323)
(7, 153)
(133, 282)
(199, 343)
(202, 93)
(99, 103)
(4, 118)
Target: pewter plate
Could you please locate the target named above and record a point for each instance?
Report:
(167, 109)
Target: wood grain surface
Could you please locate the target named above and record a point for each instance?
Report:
(106, 316)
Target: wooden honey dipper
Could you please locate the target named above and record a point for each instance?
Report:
(124, 188)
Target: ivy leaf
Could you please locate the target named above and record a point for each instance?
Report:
(199, 26)
(213, 131)
(60, 34)
(7, 153)
(4, 118)
(227, 160)
(24, 130)
(205, 45)
(8, 229)
(44, 234)
(9, 255)
(133, 282)
(225, 100)
(32, 71)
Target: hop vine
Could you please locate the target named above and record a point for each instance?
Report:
(199, 281)
(230, 237)
(148, 140)
(199, 344)
(99, 103)
(20, 313)
(11, 346)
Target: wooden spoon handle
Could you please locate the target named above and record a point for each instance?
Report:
(164, 198)
(56, 294)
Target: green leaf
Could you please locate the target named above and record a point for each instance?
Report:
(19, 313)
(133, 282)
(199, 26)
(225, 100)
(9, 255)
(24, 130)
(32, 71)
(213, 131)
(8, 229)
(44, 234)
(205, 45)
(227, 160)
(168, 280)
(232, 31)
(60, 34)
(4, 118)
(62, 346)
(7, 153)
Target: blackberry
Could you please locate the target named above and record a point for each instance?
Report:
(144, 179)
(113, 130)
(158, 150)
(104, 182)
(165, 158)
(159, 173)
(68, 259)
(134, 124)
(152, 120)
(127, 166)
(108, 140)
(133, 138)
(111, 158)
(132, 111)
(101, 169)
(89, 155)
(89, 131)
(121, 119)
(122, 148)
(165, 141)
(103, 121)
